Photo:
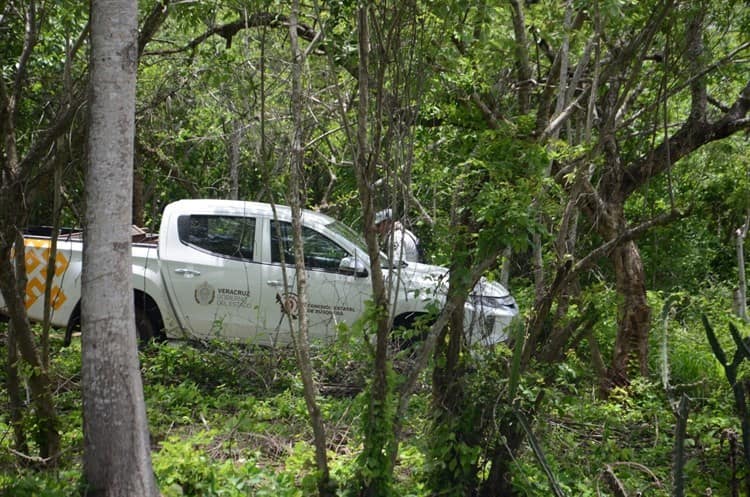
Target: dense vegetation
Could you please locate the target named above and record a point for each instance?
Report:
(593, 154)
(230, 421)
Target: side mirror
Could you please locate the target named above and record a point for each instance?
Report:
(353, 266)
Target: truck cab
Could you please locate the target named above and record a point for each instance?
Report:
(229, 270)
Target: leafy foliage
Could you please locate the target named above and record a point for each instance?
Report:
(220, 429)
(230, 420)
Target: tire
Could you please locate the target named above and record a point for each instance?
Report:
(144, 327)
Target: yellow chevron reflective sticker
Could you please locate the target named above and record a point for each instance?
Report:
(37, 256)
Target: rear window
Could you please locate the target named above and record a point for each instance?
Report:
(226, 236)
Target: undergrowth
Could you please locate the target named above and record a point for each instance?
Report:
(229, 420)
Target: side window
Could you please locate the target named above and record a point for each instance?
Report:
(227, 236)
(320, 251)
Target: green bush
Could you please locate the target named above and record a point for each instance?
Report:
(44, 484)
(185, 467)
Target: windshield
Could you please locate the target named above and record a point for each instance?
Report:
(356, 238)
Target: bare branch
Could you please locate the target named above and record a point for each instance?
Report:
(489, 115)
(151, 24)
(694, 35)
(630, 234)
(691, 136)
(557, 121)
(523, 65)
(728, 58)
(229, 30)
(42, 145)
(29, 41)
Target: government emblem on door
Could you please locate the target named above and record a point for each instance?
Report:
(289, 304)
(205, 294)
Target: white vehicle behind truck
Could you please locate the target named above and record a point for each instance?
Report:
(215, 270)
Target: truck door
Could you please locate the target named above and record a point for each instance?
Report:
(213, 276)
(333, 297)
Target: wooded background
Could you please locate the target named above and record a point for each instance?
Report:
(591, 155)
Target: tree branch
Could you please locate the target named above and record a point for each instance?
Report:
(29, 41)
(229, 30)
(625, 236)
(691, 136)
(698, 93)
(151, 24)
(41, 146)
(268, 19)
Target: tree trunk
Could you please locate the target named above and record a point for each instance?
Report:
(449, 399)
(47, 435)
(448, 369)
(523, 63)
(378, 418)
(13, 216)
(13, 384)
(741, 234)
(52, 259)
(117, 452)
(499, 480)
(235, 137)
(296, 194)
(633, 314)
(139, 192)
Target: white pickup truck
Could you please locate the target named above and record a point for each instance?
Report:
(215, 270)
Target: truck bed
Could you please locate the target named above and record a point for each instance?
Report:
(138, 235)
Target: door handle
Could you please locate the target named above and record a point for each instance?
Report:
(275, 283)
(188, 273)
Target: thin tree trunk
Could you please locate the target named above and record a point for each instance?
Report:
(505, 268)
(117, 451)
(13, 216)
(742, 279)
(302, 343)
(634, 313)
(499, 480)
(52, 259)
(523, 64)
(376, 450)
(235, 137)
(537, 264)
(13, 385)
(47, 436)
(449, 399)
(139, 192)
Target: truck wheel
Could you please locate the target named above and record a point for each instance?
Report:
(144, 327)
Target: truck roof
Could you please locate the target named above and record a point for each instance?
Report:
(246, 208)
